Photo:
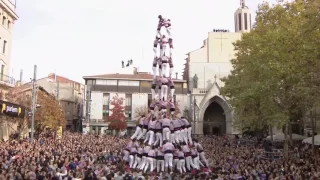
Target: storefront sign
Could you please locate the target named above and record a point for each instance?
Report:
(12, 110)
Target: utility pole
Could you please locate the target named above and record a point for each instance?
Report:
(88, 107)
(58, 90)
(194, 114)
(33, 106)
(58, 93)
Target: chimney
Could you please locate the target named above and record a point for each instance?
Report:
(176, 75)
(19, 83)
(21, 75)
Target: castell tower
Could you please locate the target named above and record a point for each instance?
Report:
(242, 18)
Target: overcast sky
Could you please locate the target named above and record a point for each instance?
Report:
(76, 38)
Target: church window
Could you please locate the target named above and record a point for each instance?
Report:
(250, 20)
(245, 21)
(3, 20)
(240, 22)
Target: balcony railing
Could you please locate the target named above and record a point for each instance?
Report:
(7, 80)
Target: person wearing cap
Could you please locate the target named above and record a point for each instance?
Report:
(158, 131)
(160, 159)
(201, 152)
(168, 149)
(138, 127)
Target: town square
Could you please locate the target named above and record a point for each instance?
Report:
(167, 90)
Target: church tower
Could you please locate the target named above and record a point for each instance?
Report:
(242, 18)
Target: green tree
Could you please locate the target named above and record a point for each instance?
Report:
(274, 80)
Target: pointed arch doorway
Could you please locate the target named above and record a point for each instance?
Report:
(214, 120)
(216, 117)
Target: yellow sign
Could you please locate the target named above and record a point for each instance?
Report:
(59, 132)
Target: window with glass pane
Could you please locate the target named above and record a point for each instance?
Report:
(105, 114)
(128, 115)
(128, 99)
(101, 82)
(89, 82)
(106, 98)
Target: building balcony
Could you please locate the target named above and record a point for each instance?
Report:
(7, 80)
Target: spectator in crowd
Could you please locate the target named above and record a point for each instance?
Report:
(90, 157)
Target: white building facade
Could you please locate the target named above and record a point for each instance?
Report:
(203, 70)
(7, 18)
(134, 88)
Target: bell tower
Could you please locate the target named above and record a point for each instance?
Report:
(242, 18)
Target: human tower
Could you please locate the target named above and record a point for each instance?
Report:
(162, 140)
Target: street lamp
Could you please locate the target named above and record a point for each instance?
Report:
(34, 101)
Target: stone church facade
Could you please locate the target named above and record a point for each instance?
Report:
(204, 67)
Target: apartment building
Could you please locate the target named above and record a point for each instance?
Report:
(135, 88)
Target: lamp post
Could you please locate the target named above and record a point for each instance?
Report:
(33, 105)
(88, 108)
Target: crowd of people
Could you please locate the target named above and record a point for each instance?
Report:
(89, 157)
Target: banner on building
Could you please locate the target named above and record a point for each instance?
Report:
(59, 132)
(12, 110)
